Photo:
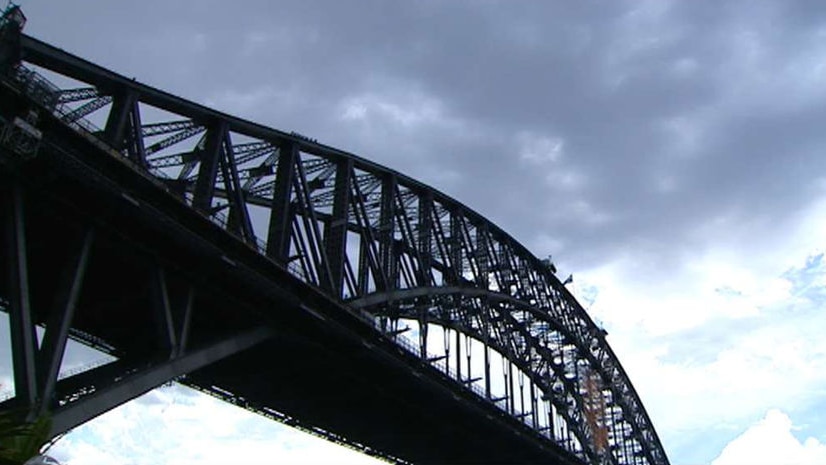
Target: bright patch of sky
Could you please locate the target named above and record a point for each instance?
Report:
(720, 352)
(772, 441)
(175, 425)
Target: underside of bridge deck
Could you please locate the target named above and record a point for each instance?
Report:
(318, 362)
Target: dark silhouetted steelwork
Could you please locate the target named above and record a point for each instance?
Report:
(208, 237)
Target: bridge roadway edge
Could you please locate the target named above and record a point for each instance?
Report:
(76, 187)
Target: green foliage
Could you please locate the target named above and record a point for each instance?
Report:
(21, 440)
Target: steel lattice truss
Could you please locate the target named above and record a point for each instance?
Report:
(397, 251)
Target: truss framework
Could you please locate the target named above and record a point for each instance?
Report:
(395, 250)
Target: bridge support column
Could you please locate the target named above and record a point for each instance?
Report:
(425, 253)
(278, 235)
(458, 356)
(208, 171)
(335, 234)
(510, 385)
(487, 371)
(455, 249)
(387, 224)
(23, 338)
(134, 140)
(123, 126)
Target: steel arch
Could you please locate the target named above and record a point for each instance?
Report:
(361, 233)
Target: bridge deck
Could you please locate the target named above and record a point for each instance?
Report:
(276, 273)
(326, 367)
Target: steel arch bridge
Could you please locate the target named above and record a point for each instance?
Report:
(457, 294)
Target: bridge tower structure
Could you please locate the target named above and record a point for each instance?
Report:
(288, 277)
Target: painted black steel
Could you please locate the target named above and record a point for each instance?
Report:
(23, 339)
(57, 328)
(390, 249)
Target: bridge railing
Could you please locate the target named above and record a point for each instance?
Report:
(7, 394)
(441, 364)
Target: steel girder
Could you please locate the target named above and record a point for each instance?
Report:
(357, 231)
(136, 381)
(74, 397)
(76, 95)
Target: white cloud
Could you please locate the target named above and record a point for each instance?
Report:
(563, 179)
(771, 442)
(722, 338)
(739, 276)
(406, 109)
(538, 149)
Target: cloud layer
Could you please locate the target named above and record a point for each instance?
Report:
(770, 442)
(668, 153)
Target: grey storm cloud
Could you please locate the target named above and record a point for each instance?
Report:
(668, 114)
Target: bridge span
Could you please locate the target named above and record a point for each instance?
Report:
(290, 278)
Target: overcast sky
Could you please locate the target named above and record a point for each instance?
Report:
(668, 154)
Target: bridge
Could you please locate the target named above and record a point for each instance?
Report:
(293, 279)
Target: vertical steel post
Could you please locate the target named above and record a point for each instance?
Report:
(486, 311)
(510, 382)
(362, 283)
(482, 256)
(456, 268)
(335, 233)
(114, 133)
(487, 371)
(208, 171)
(508, 393)
(626, 444)
(458, 356)
(424, 239)
(468, 355)
(278, 235)
(135, 145)
(423, 327)
(23, 338)
(424, 245)
(239, 217)
(387, 224)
